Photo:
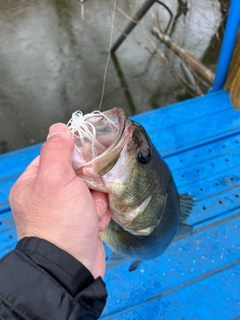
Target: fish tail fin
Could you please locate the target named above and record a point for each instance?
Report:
(186, 203)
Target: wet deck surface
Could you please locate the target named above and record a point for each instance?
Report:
(198, 277)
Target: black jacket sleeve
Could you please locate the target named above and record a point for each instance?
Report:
(42, 282)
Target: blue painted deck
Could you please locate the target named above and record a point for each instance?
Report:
(198, 277)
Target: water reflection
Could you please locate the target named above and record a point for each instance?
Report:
(52, 62)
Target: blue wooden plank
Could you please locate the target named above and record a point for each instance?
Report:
(213, 297)
(6, 222)
(8, 235)
(190, 135)
(183, 264)
(15, 162)
(215, 205)
(8, 241)
(12, 165)
(206, 152)
(196, 123)
(215, 183)
(5, 187)
(184, 111)
(203, 169)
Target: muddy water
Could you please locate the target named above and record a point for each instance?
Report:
(52, 61)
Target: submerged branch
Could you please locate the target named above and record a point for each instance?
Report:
(190, 88)
(191, 79)
(195, 64)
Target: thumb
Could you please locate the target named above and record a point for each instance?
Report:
(56, 153)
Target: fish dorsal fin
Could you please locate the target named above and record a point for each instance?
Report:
(186, 203)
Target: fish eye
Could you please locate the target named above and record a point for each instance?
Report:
(144, 156)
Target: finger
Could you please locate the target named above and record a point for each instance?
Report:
(100, 200)
(104, 221)
(101, 203)
(56, 153)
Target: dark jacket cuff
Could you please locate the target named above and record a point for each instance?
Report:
(41, 281)
(67, 270)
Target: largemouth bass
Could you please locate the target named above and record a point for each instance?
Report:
(115, 155)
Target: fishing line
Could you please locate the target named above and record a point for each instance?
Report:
(108, 58)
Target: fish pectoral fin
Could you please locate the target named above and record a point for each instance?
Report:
(133, 243)
(145, 221)
(134, 265)
(140, 232)
(142, 227)
(114, 256)
(186, 203)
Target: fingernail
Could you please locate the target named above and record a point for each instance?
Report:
(58, 128)
(101, 207)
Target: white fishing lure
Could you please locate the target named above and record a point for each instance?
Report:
(84, 131)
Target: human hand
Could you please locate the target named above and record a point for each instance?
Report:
(50, 202)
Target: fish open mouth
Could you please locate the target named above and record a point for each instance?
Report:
(99, 138)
